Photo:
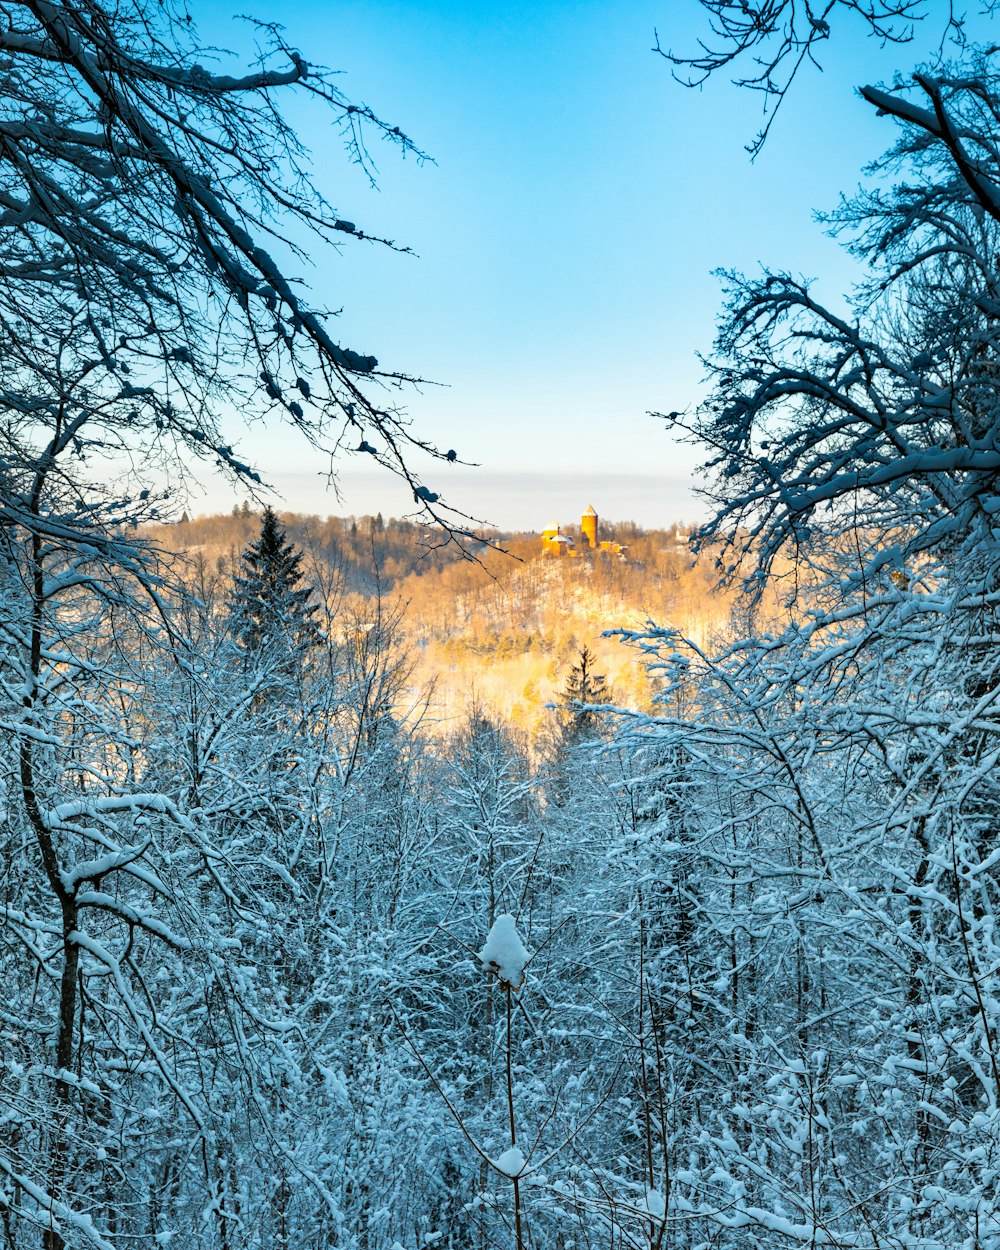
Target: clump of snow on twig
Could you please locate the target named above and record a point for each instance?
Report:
(656, 1204)
(504, 953)
(512, 1162)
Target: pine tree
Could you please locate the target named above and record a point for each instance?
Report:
(270, 606)
(583, 687)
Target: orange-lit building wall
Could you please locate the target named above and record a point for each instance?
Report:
(588, 527)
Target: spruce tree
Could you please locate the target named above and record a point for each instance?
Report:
(583, 687)
(271, 607)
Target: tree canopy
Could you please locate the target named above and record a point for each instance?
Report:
(154, 214)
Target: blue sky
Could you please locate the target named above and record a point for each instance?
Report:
(566, 234)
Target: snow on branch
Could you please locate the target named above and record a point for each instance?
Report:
(504, 953)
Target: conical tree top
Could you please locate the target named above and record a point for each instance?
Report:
(268, 601)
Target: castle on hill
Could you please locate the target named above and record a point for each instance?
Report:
(556, 543)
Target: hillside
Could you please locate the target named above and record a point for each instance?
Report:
(509, 631)
(501, 631)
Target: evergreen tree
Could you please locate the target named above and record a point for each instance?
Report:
(271, 608)
(584, 687)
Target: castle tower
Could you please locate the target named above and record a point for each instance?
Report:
(588, 527)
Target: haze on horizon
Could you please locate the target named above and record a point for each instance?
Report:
(509, 502)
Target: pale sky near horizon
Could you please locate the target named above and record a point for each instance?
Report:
(565, 235)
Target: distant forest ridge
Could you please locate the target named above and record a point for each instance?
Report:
(501, 630)
(373, 549)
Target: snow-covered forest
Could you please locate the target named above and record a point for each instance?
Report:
(279, 971)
